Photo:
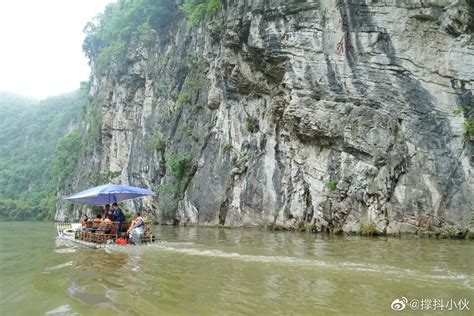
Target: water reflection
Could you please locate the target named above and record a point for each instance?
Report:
(97, 276)
(100, 261)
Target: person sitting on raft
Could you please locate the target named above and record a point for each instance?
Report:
(137, 230)
(107, 225)
(85, 220)
(96, 222)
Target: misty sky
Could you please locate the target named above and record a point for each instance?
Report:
(41, 45)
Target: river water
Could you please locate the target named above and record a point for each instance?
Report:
(216, 271)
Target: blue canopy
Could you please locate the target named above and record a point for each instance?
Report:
(108, 194)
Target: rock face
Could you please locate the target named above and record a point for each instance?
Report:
(336, 113)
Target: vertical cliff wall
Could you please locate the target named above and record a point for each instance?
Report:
(338, 113)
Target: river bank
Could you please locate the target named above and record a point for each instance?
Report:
(366, 230)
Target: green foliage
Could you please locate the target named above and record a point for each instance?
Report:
(108, 35)
(209, 126)
(192, 84)
(161, 118)
(34, 157)
(458, 111)
(228, 148)
(182, 98)
(274, 227)
(191, 62)
(368, 229)
(251, 124)
(466, 110)
(240, 162)
(213, 6)
(112, 54)
(450, 232)
(197, 107)
(186, 130)
(156, 142)
(453, 232)
(197, 15)
(332, 184)
(311, 228)
(179, 165)
(217, 27)
(275, 113)
(196, 10)
(273, 110)
(164, 59)
(469, 127)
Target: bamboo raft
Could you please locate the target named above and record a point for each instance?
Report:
(95, 237)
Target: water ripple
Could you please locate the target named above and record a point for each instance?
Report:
(441, 274)
(59, 266)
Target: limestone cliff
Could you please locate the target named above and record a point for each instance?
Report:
(290, 112)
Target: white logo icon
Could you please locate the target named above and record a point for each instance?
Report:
(399, 304)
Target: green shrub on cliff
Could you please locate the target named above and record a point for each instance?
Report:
(109, 34)
(311, 228)
(228, 148)
(469, 127)
(196, 10)
(368, 229)
(156, 142)
(466, 110)
(114, 53)
(332, 184)
(251, 124)
(214, 5)
(186, 130)
(182, 99)
(179, 165)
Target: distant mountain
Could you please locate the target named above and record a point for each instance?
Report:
(31, 132)
(10, 99)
